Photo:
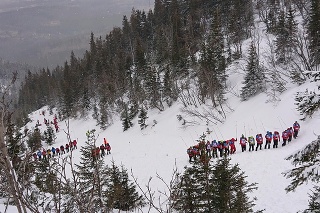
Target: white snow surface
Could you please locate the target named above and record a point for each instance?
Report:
(158, 149)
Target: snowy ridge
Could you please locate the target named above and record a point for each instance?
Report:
(157, 149)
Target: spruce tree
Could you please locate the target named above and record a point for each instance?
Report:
(306, 162)
(191, 191)
(16, 147)
(126, 119)
(314, 201)
(142, 118)
(230, 189)
(281, 39)
(34, 140)
(254, 80)
(212, 77)
(169, 95)
(218, 188)
(314, 32)
(91, 172)
(49, 135)
(308, 102)
(121, 192)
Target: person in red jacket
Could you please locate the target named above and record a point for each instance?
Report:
(276, 139)
(74, 143)
(208, 149)
(220, 147)
(259, 140)
(214, 145)
(97, 152)
(67, 147)
(285, 137)
(105, 141)
(102, 148)
(296, 128)
(44, 154)
(226, 145)
(290, 133)
(70, 145)
(232, 145)
(62, 150)
(58, 151)
(243, 143)
(268, 139)
(190, 153)
(108, 148)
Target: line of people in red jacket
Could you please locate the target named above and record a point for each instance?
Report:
(206, 149)
(55, 151)
(101, 151)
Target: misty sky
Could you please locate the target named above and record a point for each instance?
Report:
(43, 32)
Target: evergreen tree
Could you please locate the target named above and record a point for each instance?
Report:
(49, 135)
(169, 94)
(126, 119)
(308, 102)
(121, 193)
(142, 118)
(281, 38)
(152, 87)
(314, 32)
(212, 75)
(314, 201)
(16, 147)
(230, 190)
(286, 33)
(220, 188)
(191, 191)
(92, 173)
(306, 162)
(34, 140)
(254, 80)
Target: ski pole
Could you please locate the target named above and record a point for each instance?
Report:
(216, 134)
(183, 141)
(220, 132)
(254, 120)
(280, 123)
(263, 126)
(236, 129)
(283, 121)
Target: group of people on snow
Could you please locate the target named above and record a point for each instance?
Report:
(206, 150)
(55, 151)
(47, 122)
(45, 154)
(101, 151)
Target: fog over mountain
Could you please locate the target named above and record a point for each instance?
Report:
(43, 32)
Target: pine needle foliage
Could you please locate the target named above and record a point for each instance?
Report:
(217, 188)
(121, 193)
(307, 164)
(91, 172)
(254, 80)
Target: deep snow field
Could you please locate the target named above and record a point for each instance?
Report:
(157, 149)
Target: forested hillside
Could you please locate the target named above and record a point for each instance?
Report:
(196, 62)
(154, 57)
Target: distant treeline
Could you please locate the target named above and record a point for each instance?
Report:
(152, 60)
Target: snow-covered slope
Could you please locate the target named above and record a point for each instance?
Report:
(157, 149)
(161, 147)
